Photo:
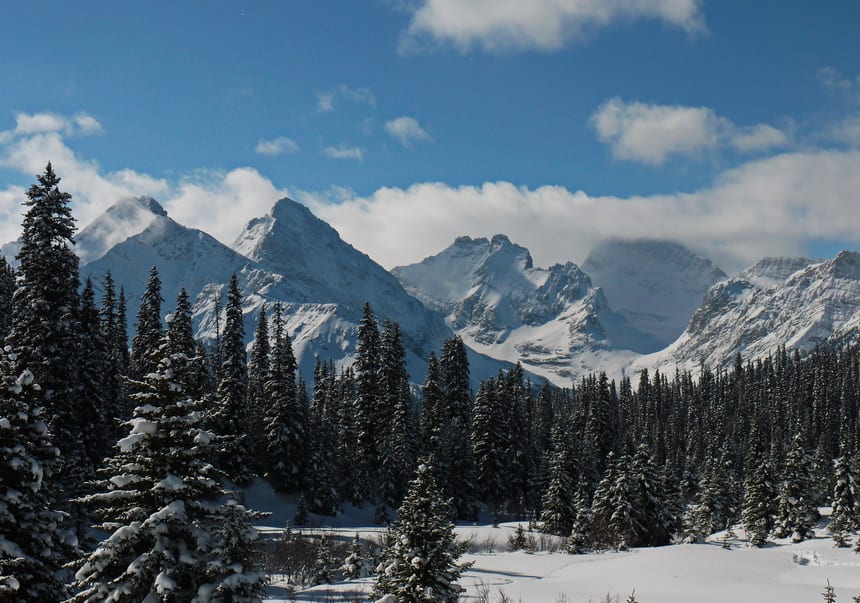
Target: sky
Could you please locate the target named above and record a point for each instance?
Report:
(730, 126)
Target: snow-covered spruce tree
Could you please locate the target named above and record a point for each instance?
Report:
(33, 543)
(557, 507)
(146, 344)
(170, 539)
(459, 485)
(845, 516)
(7, 291)
(258, 370)
(230, 418)
(319, 482)
(367, 404)
(93, 350)
(285, 418)
(355, 565)
(44, 330)
(796, 510)
(393, 439)
(419, 563)
(580, 534)
(653, 519)
(759, 493)
(116, 367)
(487, 443)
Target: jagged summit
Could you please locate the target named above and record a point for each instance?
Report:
(125, 218)
(552, 319)
(771, 271)
(815, 304)
(656, 285)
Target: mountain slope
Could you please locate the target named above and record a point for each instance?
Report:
(655, 285)
(288, 256)
(553, 320)
(768, 305)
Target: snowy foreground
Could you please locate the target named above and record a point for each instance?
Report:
(686, 573)
(704, 573)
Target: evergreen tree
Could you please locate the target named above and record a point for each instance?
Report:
(487, 443)
(419, 563)
(285, 418)
(230, 418)
(355, 565)
(367, 404)
(558, 510)
(44, 330)
(116, 363)
(459, 481)
(170, 539)
(796, 509)
(145, 347)
(93, 352)
(845, 516)
(33, 543)
(180, 333)
(258, 370)
(393, 444)
(759, 492)
(7, 291)
(580, 532)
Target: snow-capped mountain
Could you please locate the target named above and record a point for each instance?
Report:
(795, 302)
(288, 256)
(655, 285)
(552, 319)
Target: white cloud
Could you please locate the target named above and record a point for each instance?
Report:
(221, 203)
(39, 123)
(406, 130)
(651, 133)
(217, 202)
(757, 138)
(770, 206)
(327, 101)
(344, 151)
(87, 124)
(276, 146)
(500, 25)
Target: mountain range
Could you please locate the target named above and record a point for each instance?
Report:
(632, 305)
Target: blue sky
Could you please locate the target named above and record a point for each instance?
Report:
(731, 126)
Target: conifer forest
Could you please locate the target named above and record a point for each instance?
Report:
(125, 443)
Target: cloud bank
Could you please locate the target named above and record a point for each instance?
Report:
(547, 25)
(771, 206)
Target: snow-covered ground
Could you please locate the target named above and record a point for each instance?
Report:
(686, 573)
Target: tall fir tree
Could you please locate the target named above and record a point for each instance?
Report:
(230, 417)
(93, 351)
(116, 366)
(33, 542)
(367, 404)
(285, 420)
(173, 537)
(146, 344)
(797, 512)
(44, 330)
(459, 483)
(759, 490)
(258, 370)
(419, 562)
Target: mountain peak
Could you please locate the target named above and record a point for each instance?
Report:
(127, 217)
(655, 284)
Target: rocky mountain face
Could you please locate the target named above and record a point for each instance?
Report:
(552, 319)
(655, 285)
(633, 305)
(796, 302)
(288, 256)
